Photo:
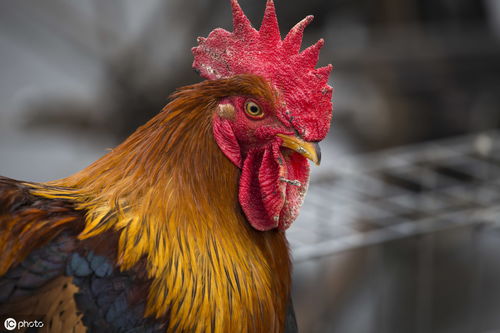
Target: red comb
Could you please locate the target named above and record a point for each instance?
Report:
(305, 90)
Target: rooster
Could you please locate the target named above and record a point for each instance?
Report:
(181, 228)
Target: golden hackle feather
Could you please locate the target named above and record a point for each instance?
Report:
(171, 195)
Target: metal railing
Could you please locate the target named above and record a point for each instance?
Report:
(400, 193)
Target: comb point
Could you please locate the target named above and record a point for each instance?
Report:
(241, 24)
(309, 57)
(269, 29)
(293, 39)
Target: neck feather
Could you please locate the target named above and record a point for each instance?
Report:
(171, 195)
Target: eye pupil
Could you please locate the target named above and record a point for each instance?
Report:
(254, 109)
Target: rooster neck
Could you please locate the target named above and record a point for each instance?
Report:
(172, 196)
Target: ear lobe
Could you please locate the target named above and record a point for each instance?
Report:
(226, 111)
(226, 140)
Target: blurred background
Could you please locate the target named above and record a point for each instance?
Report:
(400, 229)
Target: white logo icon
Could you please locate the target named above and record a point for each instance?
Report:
(10, 324)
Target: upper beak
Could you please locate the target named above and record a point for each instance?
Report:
(309, 150)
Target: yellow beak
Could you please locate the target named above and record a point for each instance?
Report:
(309, 150)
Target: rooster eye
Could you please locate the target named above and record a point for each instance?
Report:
(253, 110)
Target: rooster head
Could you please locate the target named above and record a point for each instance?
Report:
(268, 134)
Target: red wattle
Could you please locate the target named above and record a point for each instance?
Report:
(298, 170)
(272, 187)
(249, 193)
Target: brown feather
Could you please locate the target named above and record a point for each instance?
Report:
(28, 222)
(53, 304)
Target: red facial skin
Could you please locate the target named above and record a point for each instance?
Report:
(273, 179)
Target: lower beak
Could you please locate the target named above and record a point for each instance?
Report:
(307, 149)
